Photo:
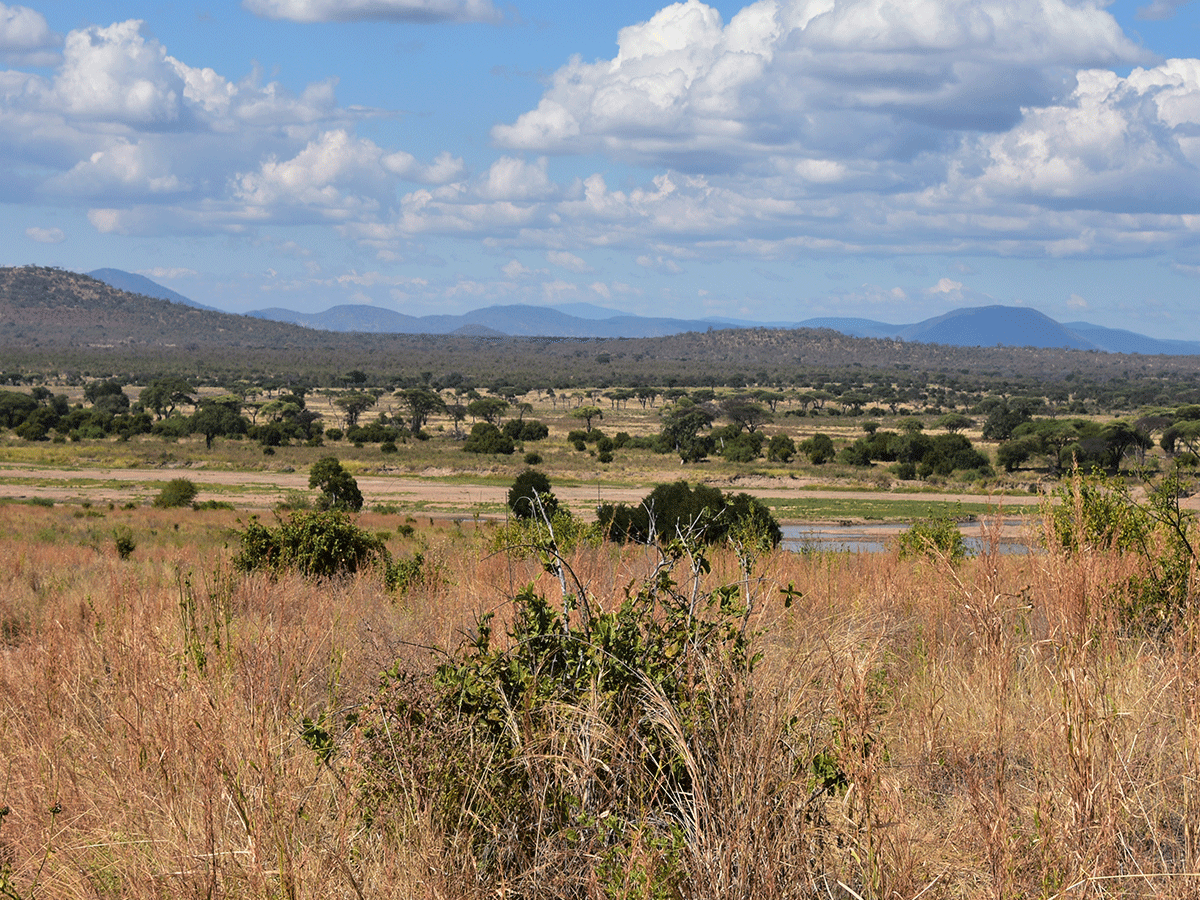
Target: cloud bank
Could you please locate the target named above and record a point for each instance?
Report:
(798, 128)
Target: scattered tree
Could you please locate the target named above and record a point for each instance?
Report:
(339, 490)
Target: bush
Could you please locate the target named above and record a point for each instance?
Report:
(123, 541)
(818, 449)
(744, 447)
(339, 490)
(565, 532)
(665, 668)
(531, 430)
(403, 574)
(487, 438)
(530, 496)
(781, 449)
(178, 492)
(1097, 513)
(671, 509)
(936, 536)
(316, 543)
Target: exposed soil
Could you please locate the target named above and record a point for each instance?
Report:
(263, 490)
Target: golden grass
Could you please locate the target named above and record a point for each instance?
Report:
(1000, 733)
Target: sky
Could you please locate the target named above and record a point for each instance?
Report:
(772, 161)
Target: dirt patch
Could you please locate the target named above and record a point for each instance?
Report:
(427, 493)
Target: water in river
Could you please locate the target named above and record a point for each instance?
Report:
(878, 538)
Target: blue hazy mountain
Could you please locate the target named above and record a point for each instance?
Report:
(991, 326)
(981, 326)
(140, 284)
(1014, 326)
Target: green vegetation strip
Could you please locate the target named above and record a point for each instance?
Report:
(881, 509)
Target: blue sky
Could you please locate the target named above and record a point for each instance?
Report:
(890, 159)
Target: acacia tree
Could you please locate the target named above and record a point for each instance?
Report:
(682, 425)
(421, 402)
(490, 409)
(353, 405)
(587, 413)
(164, 394)
(745, 413)
(219, 417)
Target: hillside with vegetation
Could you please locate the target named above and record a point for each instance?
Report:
(49, 317)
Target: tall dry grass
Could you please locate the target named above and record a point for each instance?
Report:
(171, 728)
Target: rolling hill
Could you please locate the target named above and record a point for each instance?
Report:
(984, 326)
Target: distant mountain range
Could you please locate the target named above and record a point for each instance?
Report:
(140, 284)
(984, 326)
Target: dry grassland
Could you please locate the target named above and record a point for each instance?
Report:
(170, 727)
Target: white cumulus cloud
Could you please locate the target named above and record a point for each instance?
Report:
(816, 82)
(168, 272)
(567, 260)
(376, 10)
(25, 37)
(45, 235)
(510, 178)
(946, 286)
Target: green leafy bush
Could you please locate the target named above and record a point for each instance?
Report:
(487, 438)
(178, 492)
(403, 574)
(1094, 512)
(317, 543)
(936, 536)
(123, 541)
(525, 430)
(530, 495)
(781, 449)
(564, 532)
(818, 449)
(662, 670)
(671, 509)
(338, 488)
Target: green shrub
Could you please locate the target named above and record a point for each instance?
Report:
(1097, 512)
(671, 509)
(178, 492)
(338, 488)
(525, 430)
(664, 668)
(530, 496)
(936, 536)
(487, 438)
(781, 449)
(1094, 512)
(403, 574)
(123, 541)
(565, 532)
(317, 543)
(818, 449)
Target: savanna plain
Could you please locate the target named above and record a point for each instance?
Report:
(909, 727)
(466, 703)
